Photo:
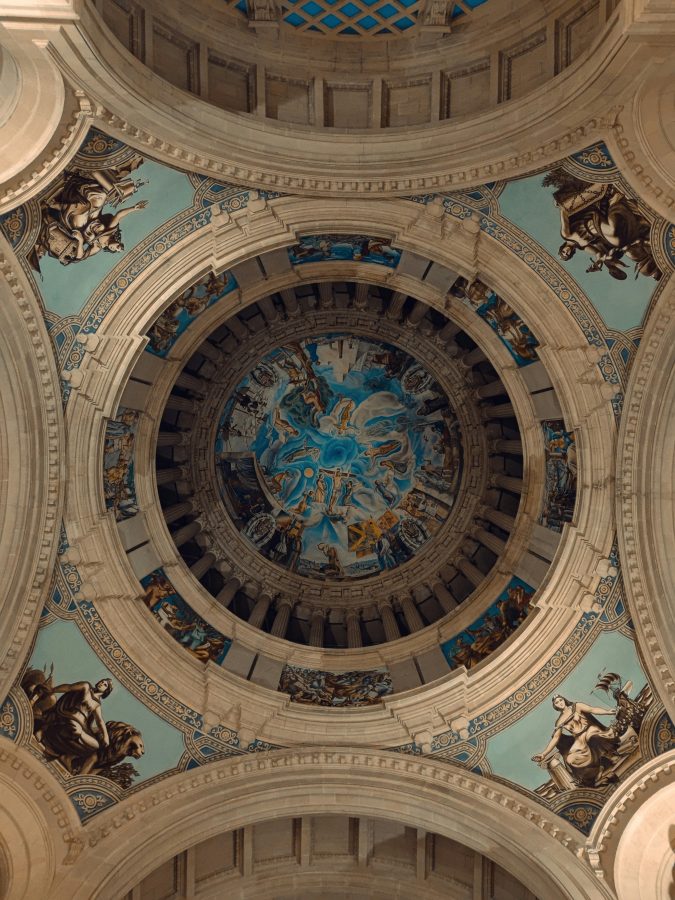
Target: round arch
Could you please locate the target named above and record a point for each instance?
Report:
(644, 493)
(31, 451)
(275, 224)
(124, 844)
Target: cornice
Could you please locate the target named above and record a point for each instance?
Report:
(602, 844)
(643, 490)
(562, 116)
(233, 793)
(577, 382)
(34, 465)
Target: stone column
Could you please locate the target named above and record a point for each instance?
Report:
(177, 511)
(284, 607)
(269, 309)
(448, 332)
(191, 382)
(491, 389)
(503, 446)
(186, 533)
(291, 304)
(210, 352)
(169, 438)
(238, 329)
(174, 473)
(391, 629)
(497, 517)
(316, 627)
(225, 595)
(361, 296)
(395, 307)
(353, 623)
(498, 411)
(259, 611)
(326, 299)
(180, 404)
(470, 571)
(514, 485)
(489, 540)
(411, 613)
(416, 314)
(444, 597)
(473, 357)
(202, 566)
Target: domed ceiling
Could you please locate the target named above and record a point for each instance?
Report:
(423, 451)
(339, 456)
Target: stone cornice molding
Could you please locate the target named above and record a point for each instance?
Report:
(39, 828)
(31, 449)
(48, 121)
(644, 493)
(560, 602)
(258, 152)
(539, 849)
(602, 844)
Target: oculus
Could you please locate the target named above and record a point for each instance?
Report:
(339, 456)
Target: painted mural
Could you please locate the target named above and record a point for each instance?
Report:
(561, 475)
(179, 619)
(118, 463)
(335, 689)
(491, 629)
(68, 724)
(352, 248)
(76, 712)
(583, 214)
(176, 318)
(601, 221)
(587, 752)
(339, 456)
(568, 736)
(581, 740)
(91, 217)
(84, 215)
(512, 331)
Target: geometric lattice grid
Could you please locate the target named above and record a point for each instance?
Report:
(361, 17)
(353, 17)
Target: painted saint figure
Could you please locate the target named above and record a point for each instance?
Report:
(333, 566)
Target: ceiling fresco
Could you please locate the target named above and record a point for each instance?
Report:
(339, 456)
(84, 242)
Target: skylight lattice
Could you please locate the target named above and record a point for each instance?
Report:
(352, 17)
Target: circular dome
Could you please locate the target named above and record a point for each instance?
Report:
(339, 464)
(340, 456)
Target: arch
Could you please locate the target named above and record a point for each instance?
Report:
(563, 115)
(229, 240)
(644, 868)
(644, 495)
(31, 450)
(123, 845)
(39, 829)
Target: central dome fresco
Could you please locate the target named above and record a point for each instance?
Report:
(339, 456)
